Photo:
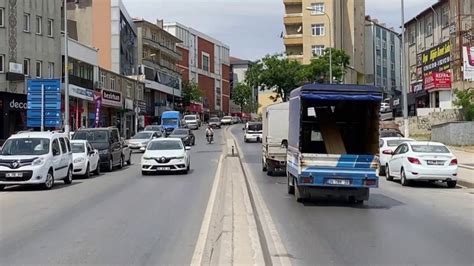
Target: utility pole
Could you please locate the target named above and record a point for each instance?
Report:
(66, 72)
(404, 76)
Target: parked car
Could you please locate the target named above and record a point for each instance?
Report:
(192, 121)
(226, 120)
(85, 158)
(385, 107)
(386, 148)
(141, 140)
(156, 128)
(215, 122)
(107, 141)
(386, 133)
(39, 158)
(235, 120)
(185, 134)
(423, 161)
(166, 154)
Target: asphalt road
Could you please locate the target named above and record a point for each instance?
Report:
(116, 218)
(419, 225)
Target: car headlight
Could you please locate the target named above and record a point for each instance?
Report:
(180, 157)
(147, 158)
(79, 160)
(103, 151)
(38, 161)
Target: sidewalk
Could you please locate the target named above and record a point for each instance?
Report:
(466, 166)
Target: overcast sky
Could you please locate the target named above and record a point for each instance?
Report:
(251, 28)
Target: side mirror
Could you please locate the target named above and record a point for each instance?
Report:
(187, 148)
(91, 152)
(96, 151)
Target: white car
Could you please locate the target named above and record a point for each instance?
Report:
(386, 147)
(166, 154)
(192, 121)
(424, 161)
(141, 140)
(39, 158)
(85, 158)
(226, 120)
(384, 107)
(253, 132)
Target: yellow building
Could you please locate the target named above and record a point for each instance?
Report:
(265, 98)
(311, 26)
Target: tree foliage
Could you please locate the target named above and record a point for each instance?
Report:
(190, 92)
(318, 70)
(242, 95)
(465, 100)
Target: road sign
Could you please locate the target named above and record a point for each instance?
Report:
(44, 103)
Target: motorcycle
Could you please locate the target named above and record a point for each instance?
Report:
(210, 138)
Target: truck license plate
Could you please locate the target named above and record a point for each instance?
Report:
(163, 168)
(338, 182)
(14, 175)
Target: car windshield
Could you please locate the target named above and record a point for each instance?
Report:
(191, 117)
(254, 127)
(78, 147)
(142, 135)
(390, 133)
(152, 128)
(26, 146)
(165, 145)
(179, 132)
(227, 117)
(429, 148)
(170, 121)
(396, 142)
(214, 119)
(92, 136)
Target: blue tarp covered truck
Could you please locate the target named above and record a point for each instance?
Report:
(333, 141)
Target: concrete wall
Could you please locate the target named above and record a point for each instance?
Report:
(422, 125)
(457, 133)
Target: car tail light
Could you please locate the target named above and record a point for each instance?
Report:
(307, 180)
(370, 182)
(389, 152)
(413, 160)
(454, 162)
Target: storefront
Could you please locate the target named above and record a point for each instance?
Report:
(80, 106)
(111, 108)
(13, 118)
(128, 125)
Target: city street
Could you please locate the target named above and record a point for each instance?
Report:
(115, 218)
(422, 224)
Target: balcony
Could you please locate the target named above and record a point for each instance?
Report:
(294, 18)
(293, 39)
(158, 46)
(81, 82)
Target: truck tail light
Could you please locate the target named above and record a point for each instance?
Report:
(389, 152)
(454, 162)
(370, 182)
(307, 180)
(413, 160)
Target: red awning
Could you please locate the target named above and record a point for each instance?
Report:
(195, 108)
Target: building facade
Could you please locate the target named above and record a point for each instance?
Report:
(382, 57)
(238, 70)
(434, 47)
(30, 41)
(205, 61)
(311, 26)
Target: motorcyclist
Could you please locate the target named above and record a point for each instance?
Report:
(209, 132)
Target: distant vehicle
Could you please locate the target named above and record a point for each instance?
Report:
(156, 128)
(386, 148)
(215, 122)
(384, 107)
(423, 161)
(141, 140)
(274, 137)
(166, 154)
(185, 134)
(85, 158)
(36, 158)
(235, 120)
(386, 133)
(192, 121)
(107, 141)
(126, 152)
(253, 132)
(226, 120)
(170, 120)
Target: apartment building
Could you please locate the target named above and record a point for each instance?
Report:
(157, 59)
(382, 57)
(30, 41)
(434, 45)
(238, 70)
(205, 61)
(313, 25)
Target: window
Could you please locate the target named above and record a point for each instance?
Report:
(112, 84)
(39, 26)
(2, 63)
(69, 144)
(317, 29)
(50, 27)
(103, 79)
(63, 145)
(412, 35)
(51, 70)
(26, 25)
(377, 32)
(384, 35)
(205, 62)
(444, 17)
(55, 148)
(429, 26)
(26, 66)
(129, 91)
(317, 8)
(318, 50)
(39, 68)
(2, 17)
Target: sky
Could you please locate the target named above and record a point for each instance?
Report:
(251, 28)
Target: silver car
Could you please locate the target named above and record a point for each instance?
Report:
(141, 140)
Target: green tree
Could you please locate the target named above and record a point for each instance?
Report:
(318, 70)
(465, 100)
(190, 92)
(242, 95)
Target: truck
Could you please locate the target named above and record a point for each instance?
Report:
(333, 140)
(274, 137)
(170, 120)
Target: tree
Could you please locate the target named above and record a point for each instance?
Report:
(242, 95)
(318, 70)
(190, 92)
(465, 100)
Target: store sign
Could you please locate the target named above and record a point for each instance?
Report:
(112, 98)
(436, 59)
(438, 80)
(16, 68)
(98, 102)
(81, 93)
(416, 87)
(468, 63)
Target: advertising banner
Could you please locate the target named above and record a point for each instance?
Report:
(435, 67)
(98, 103)
(81, 93)
(438, 80)
(468, 59)
(112, 98)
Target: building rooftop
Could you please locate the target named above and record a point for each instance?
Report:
(238, 61)
(426, 11)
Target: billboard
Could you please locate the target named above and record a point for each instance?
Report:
(43, 103)
(435, 66)
(468, 62)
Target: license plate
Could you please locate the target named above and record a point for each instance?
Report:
(14, 174)
(162, 168)
(338, 182)
(435, 162)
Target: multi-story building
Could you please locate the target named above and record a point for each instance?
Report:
(434, 42)
(157, 59)
(311, 26)
(205, 61)
(30, 41)
(382, 57)
(238, 70)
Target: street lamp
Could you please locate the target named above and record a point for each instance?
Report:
(404, 74)
(66, 72)
(319, 12)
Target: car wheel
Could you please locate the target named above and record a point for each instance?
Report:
(144, 173)
(289, 187)
(88, 172)
(68, 179)
(387, 174)
(121, 162)
(264, 167)
(404, 181)
(2, 187)
(97, 169)
(48, 184)
(451, 184)
(111, 165)
(299, 195)
(382, 170)
(129, 162)
(245, 140)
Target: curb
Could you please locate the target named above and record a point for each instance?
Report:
(466, 184)
(466, 167)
